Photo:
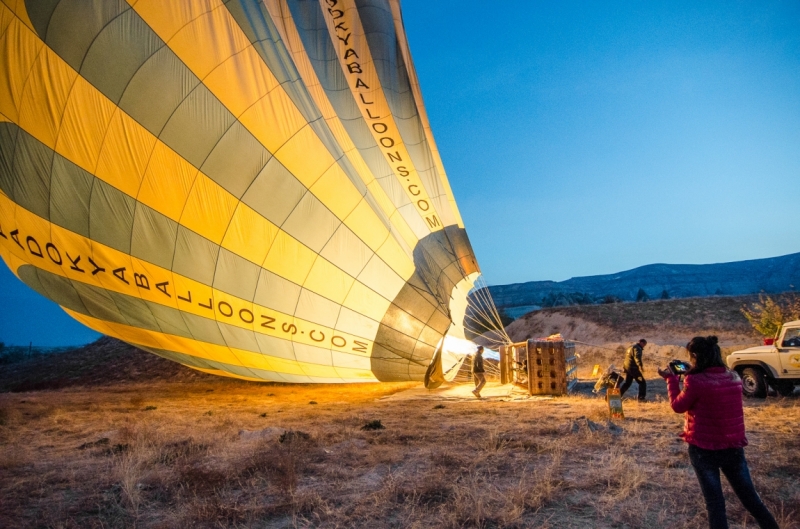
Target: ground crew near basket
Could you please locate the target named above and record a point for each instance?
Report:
(634, 369)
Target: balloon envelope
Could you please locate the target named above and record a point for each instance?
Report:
(250, 188)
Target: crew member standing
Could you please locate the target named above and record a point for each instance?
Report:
(477, 372)
(634, 370)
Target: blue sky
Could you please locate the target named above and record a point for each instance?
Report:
(584, 138)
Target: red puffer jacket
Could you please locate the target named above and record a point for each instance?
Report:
(712, 401)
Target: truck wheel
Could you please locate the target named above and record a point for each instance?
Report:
(783, 388)
(754, 383)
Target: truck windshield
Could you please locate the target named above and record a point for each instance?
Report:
(791, 338)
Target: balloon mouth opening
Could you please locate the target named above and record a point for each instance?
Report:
(456, 350)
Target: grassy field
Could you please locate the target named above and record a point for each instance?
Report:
(212, 452)
(107, 436)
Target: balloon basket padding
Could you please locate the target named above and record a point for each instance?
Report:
(541, 367)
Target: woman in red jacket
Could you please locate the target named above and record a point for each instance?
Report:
(714, 430)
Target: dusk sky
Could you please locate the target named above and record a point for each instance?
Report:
(588, 138)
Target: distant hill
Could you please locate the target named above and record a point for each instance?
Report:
(104, 362)
(656, 281)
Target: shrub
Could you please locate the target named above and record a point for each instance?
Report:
(767, 316)
(294, 436)
(286, 461)
(609, 299)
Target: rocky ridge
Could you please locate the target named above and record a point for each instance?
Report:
(771, 275)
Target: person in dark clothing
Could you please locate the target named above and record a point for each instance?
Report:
(634, 370)
(477, 372)
(714, 430)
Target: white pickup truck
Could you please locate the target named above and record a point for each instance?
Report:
(776, 363)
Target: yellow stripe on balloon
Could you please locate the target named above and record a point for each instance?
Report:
(123, 273)
(189, 30)
(295, 45)
(218, 353)
(168, 179)
(352, 49)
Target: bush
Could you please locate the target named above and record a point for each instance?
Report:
(609, 299)
(373, 425)
(767, 316)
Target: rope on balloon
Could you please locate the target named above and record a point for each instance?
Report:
(465, 373)
(488, 324)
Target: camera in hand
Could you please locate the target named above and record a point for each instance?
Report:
(679, 368)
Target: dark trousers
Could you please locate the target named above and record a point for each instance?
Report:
(480, 381)
(707, 464)
(630, 376)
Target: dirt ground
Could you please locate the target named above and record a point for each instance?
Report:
(224, 453)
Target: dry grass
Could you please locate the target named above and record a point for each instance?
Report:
(211, 454)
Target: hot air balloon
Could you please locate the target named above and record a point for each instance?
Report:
(247, 187)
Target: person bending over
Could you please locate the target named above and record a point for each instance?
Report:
(634, 369)
(714, 429)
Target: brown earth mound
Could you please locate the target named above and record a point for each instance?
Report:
(602, 332)
(105, 362)
(663, 322)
